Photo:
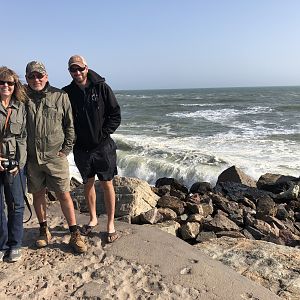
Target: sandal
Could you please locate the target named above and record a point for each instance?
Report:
(87, 229)
(111, 237)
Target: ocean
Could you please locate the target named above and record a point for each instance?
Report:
(194, 134)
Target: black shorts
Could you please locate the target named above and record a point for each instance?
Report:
(100, 161)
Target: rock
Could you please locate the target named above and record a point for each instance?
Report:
(171, 227)
(233, 234)
(194, 208)
(171, 202)
(274, 183)
(234, 174)
(196, 218)
(204, 236)
(201, 188)
(133, 197)
(291, 193)
(282, 213)
(74, 183)
(273, 266)
(162, 190)
(265, 206)
(220, 223)
(224, 204)
(151, 216)
(289, 238)
(167, 213)
(237, 191)
(265, 228)
(173, 183)
(190, 230)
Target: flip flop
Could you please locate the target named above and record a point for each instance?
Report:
(111, 237)
(87, 229)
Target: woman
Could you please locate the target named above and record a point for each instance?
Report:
(12, 158)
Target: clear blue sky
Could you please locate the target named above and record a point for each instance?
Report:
(140, 44)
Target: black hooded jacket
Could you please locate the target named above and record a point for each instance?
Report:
(96, 111)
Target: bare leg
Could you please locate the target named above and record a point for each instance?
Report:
(67, 207)
(90, 197)
(39, 203)
(110, 202)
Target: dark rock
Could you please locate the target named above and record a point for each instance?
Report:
(173, 183)
(289, 238)
(234, 174)
(194, 198)
(151, 216)
(248, 202)
(282, 213)
(167, 213)
(224, 204)
(265, 206)
(178, 194)
(196, 218)
(162, 190)
(237, 191)
(201, 188)
(220, 223)
(171, 202)
(233, 234)
(254, 232)
(274, 183)
(194, 208)
(204, 236)
(190, 230)
(238, 219)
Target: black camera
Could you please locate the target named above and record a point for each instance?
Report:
(9, 164)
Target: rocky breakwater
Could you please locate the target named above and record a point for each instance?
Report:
(237, 213)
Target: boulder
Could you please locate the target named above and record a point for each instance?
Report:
(234, 174)
(201, 188)
(171, 202)
(265, 206)
(171, 227)
(274, 183)
(190, 230)
(133, 196)
(151, 216)
(175, 184)
(220, 223)
(167, 213)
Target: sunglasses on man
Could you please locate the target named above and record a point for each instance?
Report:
(36, 76)
(76, 68)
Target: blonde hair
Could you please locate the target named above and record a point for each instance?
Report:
(19, 91)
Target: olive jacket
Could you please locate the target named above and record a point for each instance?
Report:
(50, 128)
(13, 138)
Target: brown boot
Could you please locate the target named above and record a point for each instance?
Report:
(44, 237)
(77, 243)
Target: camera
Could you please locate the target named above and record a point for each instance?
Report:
(9, 164)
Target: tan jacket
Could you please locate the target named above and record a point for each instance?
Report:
(13, 140)
(50, 126)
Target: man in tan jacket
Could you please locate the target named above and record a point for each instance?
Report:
(51, 137)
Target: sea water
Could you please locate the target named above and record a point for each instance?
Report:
(194, 134)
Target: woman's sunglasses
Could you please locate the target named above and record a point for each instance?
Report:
(10, 83)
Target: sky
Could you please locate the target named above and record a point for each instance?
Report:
(157, 44)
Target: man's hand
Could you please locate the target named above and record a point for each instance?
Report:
(14, 171)
(61, 154)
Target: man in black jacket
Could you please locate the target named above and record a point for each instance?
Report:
(96, 115)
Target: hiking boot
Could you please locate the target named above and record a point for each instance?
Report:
(14, 255)
(44, 237)
(77, 243)
(2, 254)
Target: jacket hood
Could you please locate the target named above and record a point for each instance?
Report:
(95, 77)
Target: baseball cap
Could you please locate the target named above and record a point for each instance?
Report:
(77, 60)
(35, 66)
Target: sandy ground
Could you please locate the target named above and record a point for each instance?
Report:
(144, 263)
